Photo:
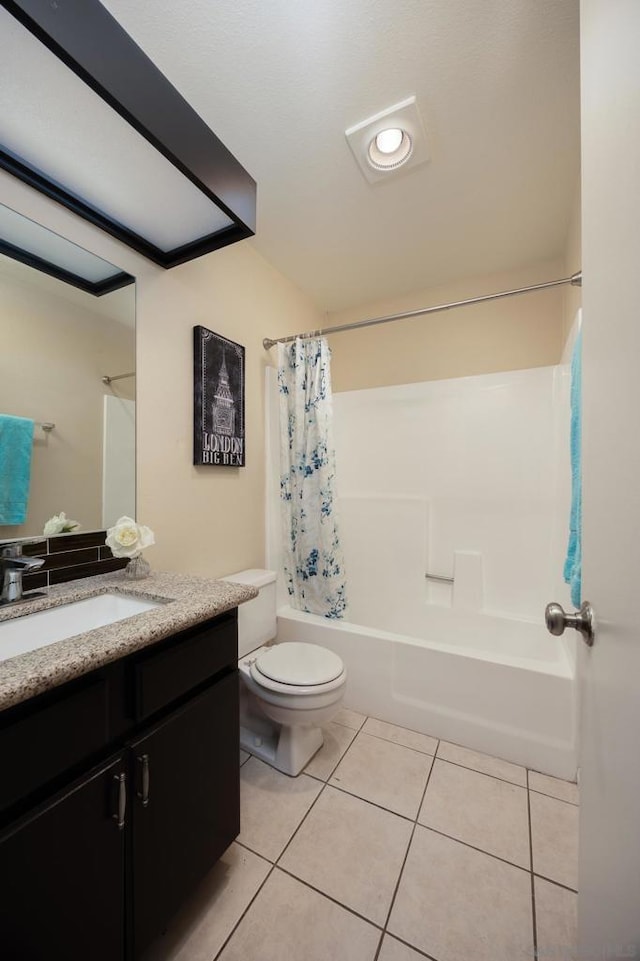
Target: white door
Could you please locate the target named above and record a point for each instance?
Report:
(609, 879)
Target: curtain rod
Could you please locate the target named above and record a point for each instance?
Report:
(107, 380)
(575, 280)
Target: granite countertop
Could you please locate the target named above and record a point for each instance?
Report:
(191, 600)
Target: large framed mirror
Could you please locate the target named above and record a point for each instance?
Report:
(58, 343)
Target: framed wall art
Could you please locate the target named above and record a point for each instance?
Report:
(218, 394)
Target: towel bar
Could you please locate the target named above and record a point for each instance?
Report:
(440, 578)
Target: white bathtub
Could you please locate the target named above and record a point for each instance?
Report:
(495, 684)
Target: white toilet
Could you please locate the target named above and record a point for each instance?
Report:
(288, 690)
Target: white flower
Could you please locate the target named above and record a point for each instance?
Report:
(128, 539)
(59, 524)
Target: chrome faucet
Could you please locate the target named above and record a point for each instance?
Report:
(13, 564)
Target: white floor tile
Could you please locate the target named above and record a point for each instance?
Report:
(350, 719)
(352, 851)
(484, 763)
(457, 904)
(393, 950)
(386, 774)
(481, 810)
(554, 836)
(337, 739)
(554, 787)
(556, 922)
(401, 735)
(207, 919)
(272, 806)
(290, 922)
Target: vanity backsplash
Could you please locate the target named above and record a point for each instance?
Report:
(69, 557)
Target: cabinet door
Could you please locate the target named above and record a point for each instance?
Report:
(62, 875)
(186, 808)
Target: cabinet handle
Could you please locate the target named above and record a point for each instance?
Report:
(143, 794)
(119, 816)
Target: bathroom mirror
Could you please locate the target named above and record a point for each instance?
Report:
(58, 343)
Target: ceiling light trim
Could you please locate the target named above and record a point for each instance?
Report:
(404, 116)
(84, 35)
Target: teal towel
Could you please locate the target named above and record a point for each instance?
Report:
(16, 446)
(573, 563)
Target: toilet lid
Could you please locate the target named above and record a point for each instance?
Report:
(299, 664)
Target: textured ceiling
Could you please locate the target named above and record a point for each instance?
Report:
(497, 82)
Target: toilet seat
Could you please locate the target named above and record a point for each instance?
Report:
(294, 668)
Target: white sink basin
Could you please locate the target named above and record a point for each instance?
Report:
(31, 631)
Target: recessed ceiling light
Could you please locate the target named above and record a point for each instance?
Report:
(389, 149)
(392, 140)
(388, 141)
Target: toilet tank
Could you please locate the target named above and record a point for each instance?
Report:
(256, 618)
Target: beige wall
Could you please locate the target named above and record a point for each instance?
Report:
(510, 334)
(572, 263)
(207, 520)
(56, 345)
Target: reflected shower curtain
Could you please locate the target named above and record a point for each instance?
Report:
(313, 562)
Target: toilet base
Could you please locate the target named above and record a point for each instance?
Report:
(289, 749)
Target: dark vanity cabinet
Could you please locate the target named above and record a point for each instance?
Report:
(186, 807)
(62, 890)
(119, 791)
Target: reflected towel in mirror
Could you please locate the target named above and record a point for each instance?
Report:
(16, 445)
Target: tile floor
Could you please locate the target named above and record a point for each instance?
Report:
(391, 846)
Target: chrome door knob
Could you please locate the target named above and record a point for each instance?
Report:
(583, 621)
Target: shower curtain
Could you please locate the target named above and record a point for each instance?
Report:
(313, 562)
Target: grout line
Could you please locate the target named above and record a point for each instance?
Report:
(329, 897)
(575, 804)
(405, 817)
(533, 887)
(408, 944)
(496, 857)
(307, 813)
(356, 729)
(252, 851)
(401, 727)
(338, 762)
(476, 771)
(240, 919)
(271, 870)
(379, 948)
(558, 884)
(406, 854)
(388, 740)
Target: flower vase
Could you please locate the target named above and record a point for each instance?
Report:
(137, 568)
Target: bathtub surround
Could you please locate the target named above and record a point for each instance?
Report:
(313, 563)
(501, 686)
(477, 490)
(473, 485)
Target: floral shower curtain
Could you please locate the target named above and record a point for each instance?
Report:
(313, 562)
